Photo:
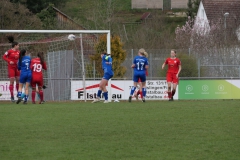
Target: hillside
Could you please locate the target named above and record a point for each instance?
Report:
(118, 16)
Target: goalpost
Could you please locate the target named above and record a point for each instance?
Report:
(59, 53)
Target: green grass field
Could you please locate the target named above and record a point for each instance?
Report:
(181, 130)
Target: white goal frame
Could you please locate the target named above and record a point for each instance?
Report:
(76, 32)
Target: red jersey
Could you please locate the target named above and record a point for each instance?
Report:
(173, 65)
(11, 55)
(37, 67)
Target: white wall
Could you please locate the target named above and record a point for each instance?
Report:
(147, 4)
(179, 3)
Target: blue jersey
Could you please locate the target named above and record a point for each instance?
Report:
(24, 66)
(140, 64)
(107, 67)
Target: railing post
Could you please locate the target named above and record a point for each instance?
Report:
(199, 68)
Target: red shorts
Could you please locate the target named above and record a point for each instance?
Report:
(171, 77)
(13, 72)
(36, 81)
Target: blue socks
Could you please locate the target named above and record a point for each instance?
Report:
(132, 90)
(144, 92)
(19, 94)
(99, 93)
(105, 94)
(25, 98)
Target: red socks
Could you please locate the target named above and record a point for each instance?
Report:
(173, 92)
(139, 92)
(169, 94)
(33, 96)
(41, 95)
(11, 90)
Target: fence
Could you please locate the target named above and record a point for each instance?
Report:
(65, 66)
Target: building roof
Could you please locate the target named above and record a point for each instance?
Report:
(215, 9)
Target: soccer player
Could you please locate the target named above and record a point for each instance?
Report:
(11, 57)
(139, 91)
(25, 76)
(140, 65)
(108, 74)
(174, 68)
(37, 64)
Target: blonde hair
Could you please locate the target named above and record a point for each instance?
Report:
(143, 52)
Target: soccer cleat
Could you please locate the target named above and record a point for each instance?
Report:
(96, 100)
(130, 99)
(41, 102)
(171, 99)
(25, 102)
(33, 102)
(143, 99)
(12, 99)
(19, 100)
(106, 101)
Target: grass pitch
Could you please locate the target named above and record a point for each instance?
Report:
(181, 130)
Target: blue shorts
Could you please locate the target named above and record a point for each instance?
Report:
(141, 76)
(107, 76)
(25, 77)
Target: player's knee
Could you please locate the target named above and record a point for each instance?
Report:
(40, 88)
(33, 89)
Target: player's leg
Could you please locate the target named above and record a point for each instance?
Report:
(19, 94)
(11, 76)
(140, 90)
(33, 95)
(175, 83)
(174, 89)
(28, 81)
(144, 90)
(135, 81)
(169, 83)
(17, 77)
(97, 99)
(33, 84)
(26, 92)
(104, 89)
(40, 90)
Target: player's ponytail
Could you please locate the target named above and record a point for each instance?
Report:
(11, 40)
(41, 56)
(145, 54)
(22, 53)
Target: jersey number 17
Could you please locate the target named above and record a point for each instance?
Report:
(140, 65)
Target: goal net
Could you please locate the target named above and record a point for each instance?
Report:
(72, 73)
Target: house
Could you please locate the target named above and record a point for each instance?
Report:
(159, 4)
(227, 11)
(64, 21)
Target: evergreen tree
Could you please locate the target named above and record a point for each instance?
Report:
(192, 8)
(118, 55)
(48, 17)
